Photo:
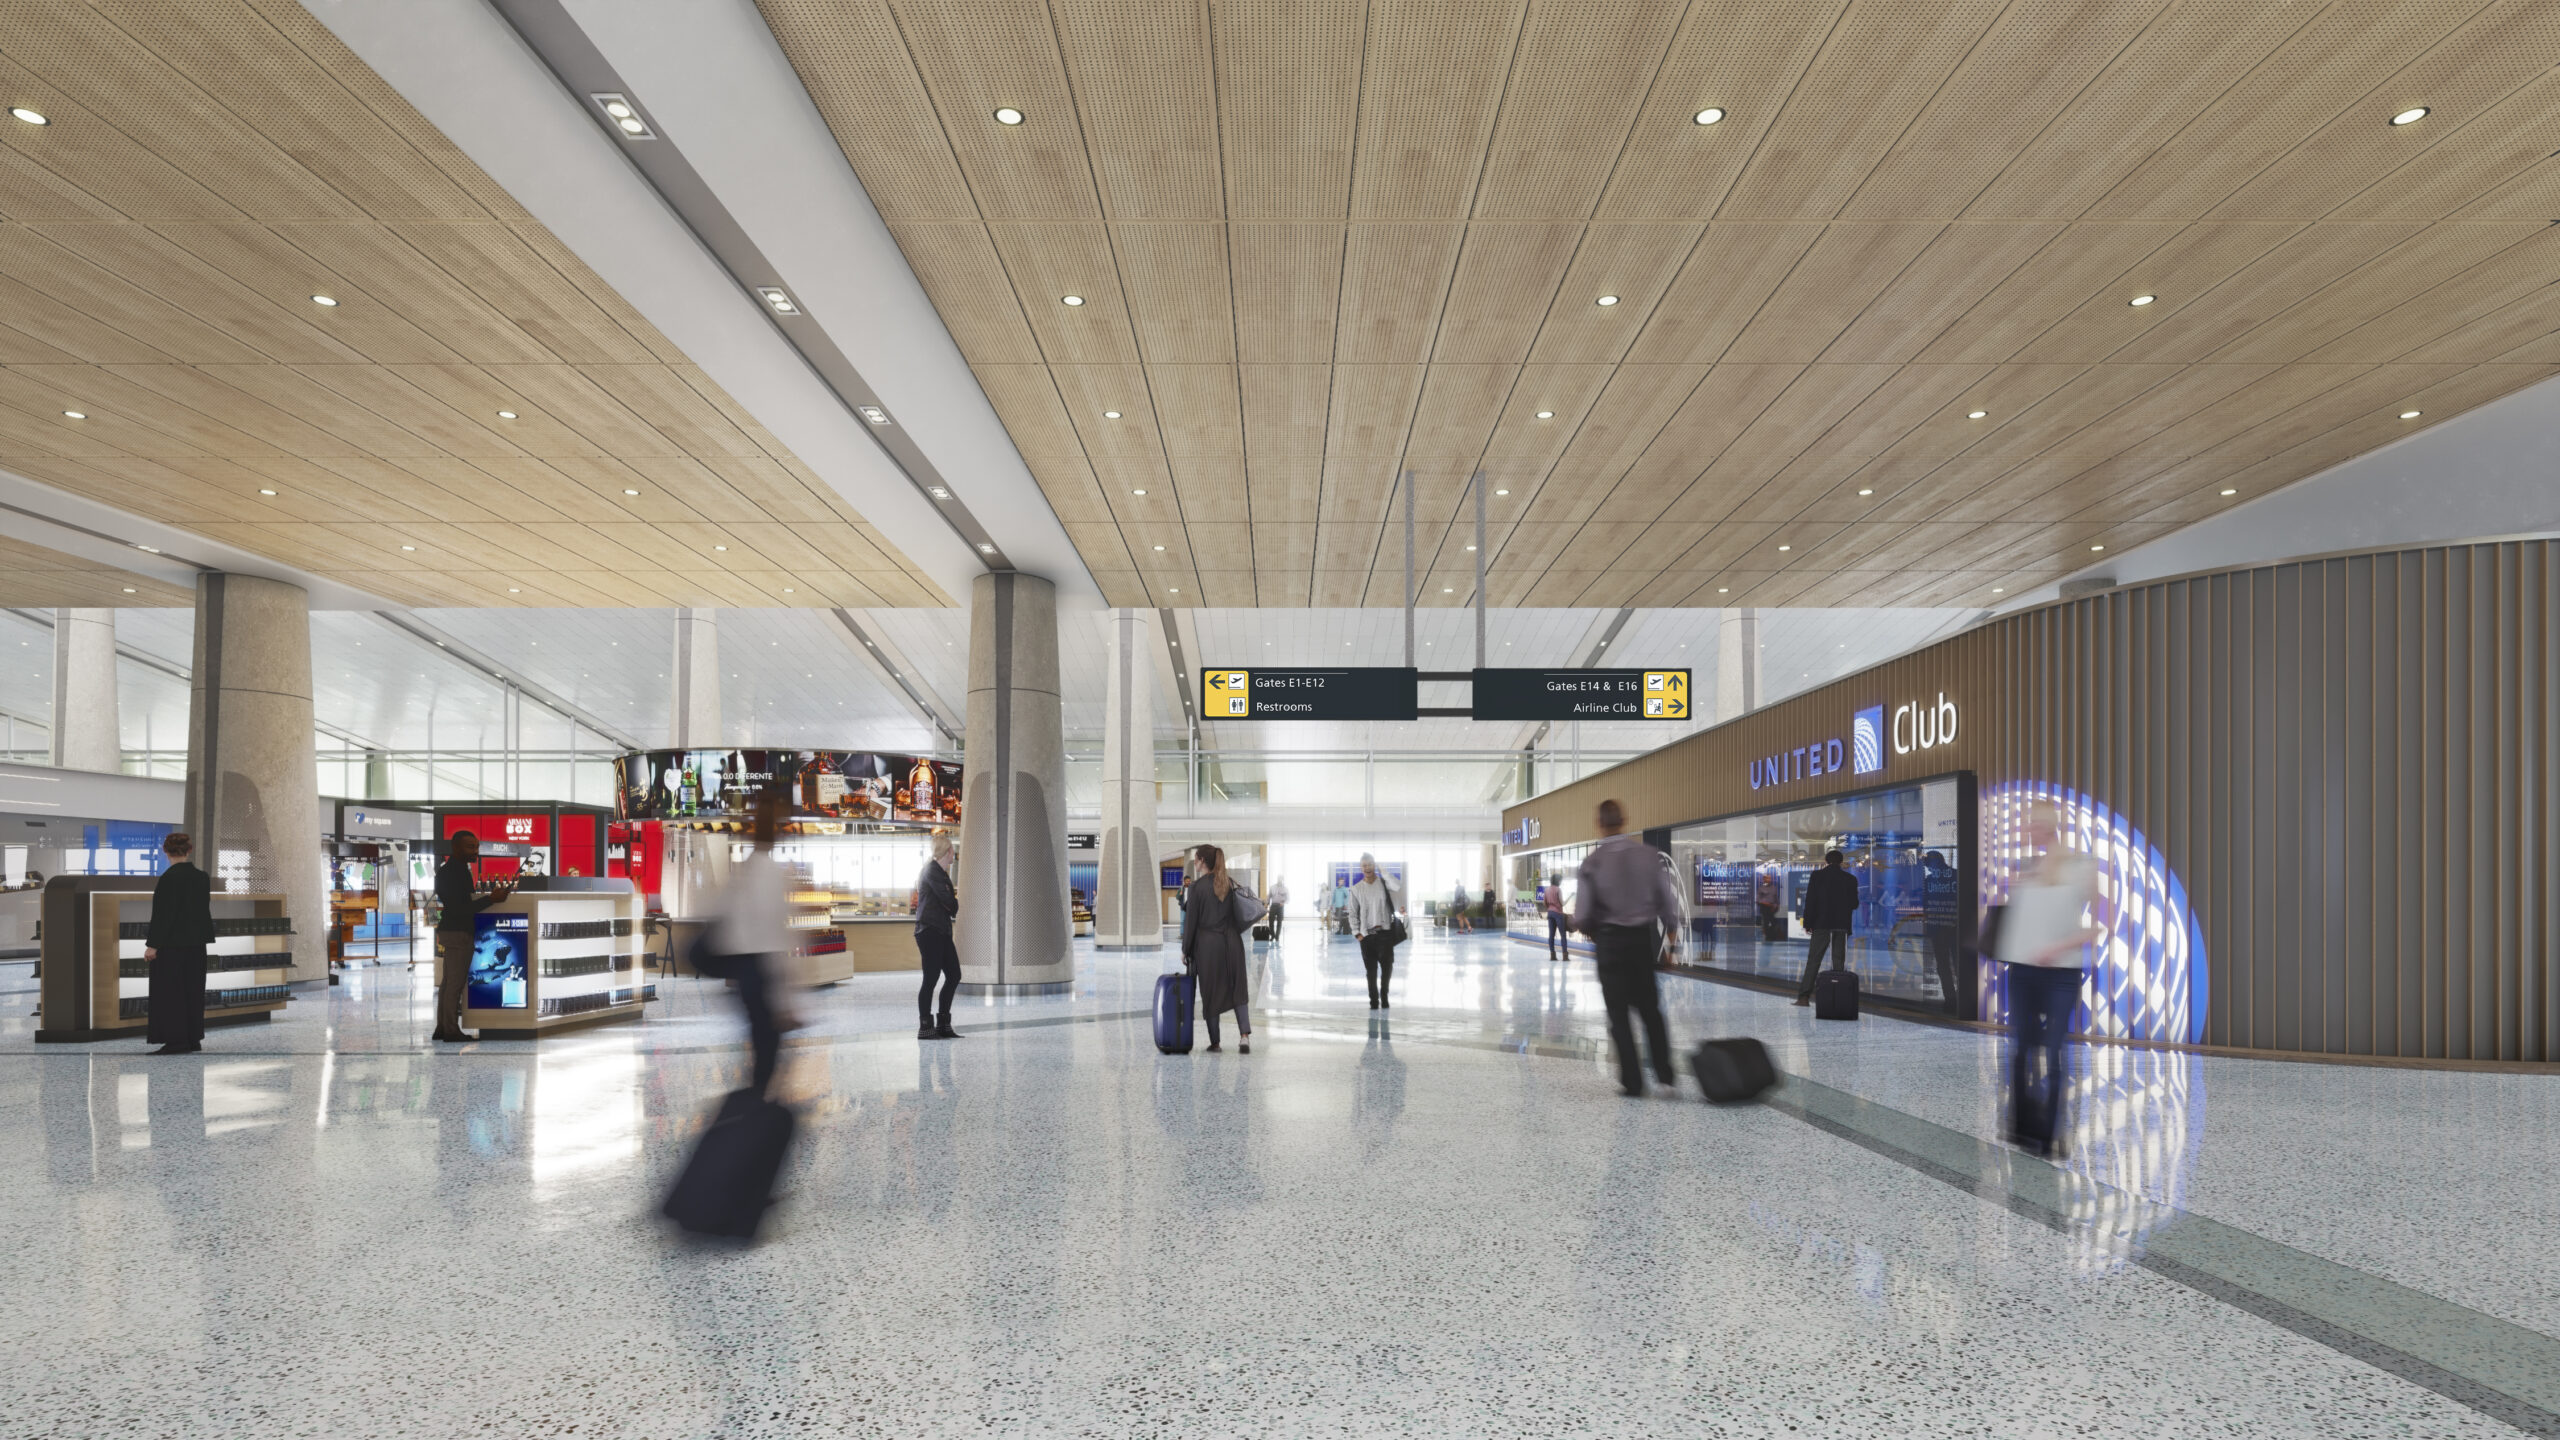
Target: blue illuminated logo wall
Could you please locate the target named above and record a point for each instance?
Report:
(2147, 976)
(1866, 741)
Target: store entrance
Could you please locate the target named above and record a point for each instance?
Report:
(1911, 850)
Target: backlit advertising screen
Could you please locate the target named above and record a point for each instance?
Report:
(500, 947)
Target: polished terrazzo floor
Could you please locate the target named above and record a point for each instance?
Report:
(1445, 1222)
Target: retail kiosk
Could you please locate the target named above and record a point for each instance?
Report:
(97, 986)
(561, 953)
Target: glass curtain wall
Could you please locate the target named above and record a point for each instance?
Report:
(1909, 848)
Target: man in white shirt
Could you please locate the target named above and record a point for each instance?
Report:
(1629, 905)
(1279, 901)
(750, 924)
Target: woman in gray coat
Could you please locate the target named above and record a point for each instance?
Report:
(1216, 911)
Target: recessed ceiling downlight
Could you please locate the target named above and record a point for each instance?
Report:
(75, 415)
(1976, 414)
(264, 491)
(1110, 414)
(32, 117)
(1007, 115)
(325, 302)
(2411, 414)
(1606, 301)
(2230, 492)
(1708, 116)
(506, 414)
(1071, 300)
(2141, 300)
(1546, 414)
(2410, 116)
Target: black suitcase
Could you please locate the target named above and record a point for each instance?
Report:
(728, 1184)
(1732, 1071)
(1262, 933)
(1835, 995)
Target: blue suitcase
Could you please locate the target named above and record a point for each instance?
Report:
(1173, 1013)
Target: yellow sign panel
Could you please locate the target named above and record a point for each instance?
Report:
(1666, 694)
(1226, 694)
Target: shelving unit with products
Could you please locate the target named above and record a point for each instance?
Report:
(97, 985)
(559, 953)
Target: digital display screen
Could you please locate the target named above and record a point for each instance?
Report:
(500, 947)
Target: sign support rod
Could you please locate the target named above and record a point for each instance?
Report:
(1406, 481)
(1475, 483)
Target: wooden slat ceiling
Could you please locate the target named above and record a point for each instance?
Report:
(212, 165)
(1321, 243)
(35, 576)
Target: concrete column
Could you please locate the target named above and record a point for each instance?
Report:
(1737, 664)
(87, 730)
(693, 679)
(1014, 934)
(1127, 914)
(253, 785)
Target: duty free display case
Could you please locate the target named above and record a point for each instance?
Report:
(562, 952)
(97, 986)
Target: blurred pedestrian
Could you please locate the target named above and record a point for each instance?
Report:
(1940, 910)
(1630, 907)
(174, 946)
(1830, 908)
(2042, 936)
(1279, 906)
(1458, 917)
(1559, 926)
(937, 903)
(749, 927)
(1373, 904)
(457, 901)
(1216, 913)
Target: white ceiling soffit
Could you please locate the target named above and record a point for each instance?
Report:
(2484, 474)
(75, 525)
(468, 71)
(716, 83)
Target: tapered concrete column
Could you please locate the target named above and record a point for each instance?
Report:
(693, 679)
(1126, 908)
(253, 785)
(1014, 934)
(1737, 664)
(87, 730)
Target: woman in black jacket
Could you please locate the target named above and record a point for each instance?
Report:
(181, 928)
(1213, 929)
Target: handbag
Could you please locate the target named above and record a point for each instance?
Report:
(1395, 932)
(1248, 910)
(1986, 940)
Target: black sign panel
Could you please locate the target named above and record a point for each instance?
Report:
(1582, 695)
(1259, 692)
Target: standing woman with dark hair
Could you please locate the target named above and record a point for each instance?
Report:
(1216, 912)
(181, 928)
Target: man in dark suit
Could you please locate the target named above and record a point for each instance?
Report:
(1830, 907)
(181, 928)
(456, 905)
(937, 902)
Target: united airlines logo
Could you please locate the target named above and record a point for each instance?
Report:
(1866, 741)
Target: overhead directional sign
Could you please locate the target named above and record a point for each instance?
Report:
(1260, 692)
(1582, 695)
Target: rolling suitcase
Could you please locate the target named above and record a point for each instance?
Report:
(1173, 1013)
(1835, 995)
(1732, 1071)
(728, 1184)
(1262, 933)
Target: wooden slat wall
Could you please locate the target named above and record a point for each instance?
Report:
(2351, 763)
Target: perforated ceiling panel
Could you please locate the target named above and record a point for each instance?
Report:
(1324, 244)
(207, 169)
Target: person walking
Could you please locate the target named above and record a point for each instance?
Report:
(456, 903)
(181, 928)
(749, 927)
(1830, 908)
(1373, 905)
(937, 904)
(1279, 905)
(1458, 918)
(1940, 910)
(1626, 902)
(1559, 926)
(2041, 938)
(1216, 913)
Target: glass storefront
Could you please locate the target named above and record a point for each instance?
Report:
(1909, 846)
